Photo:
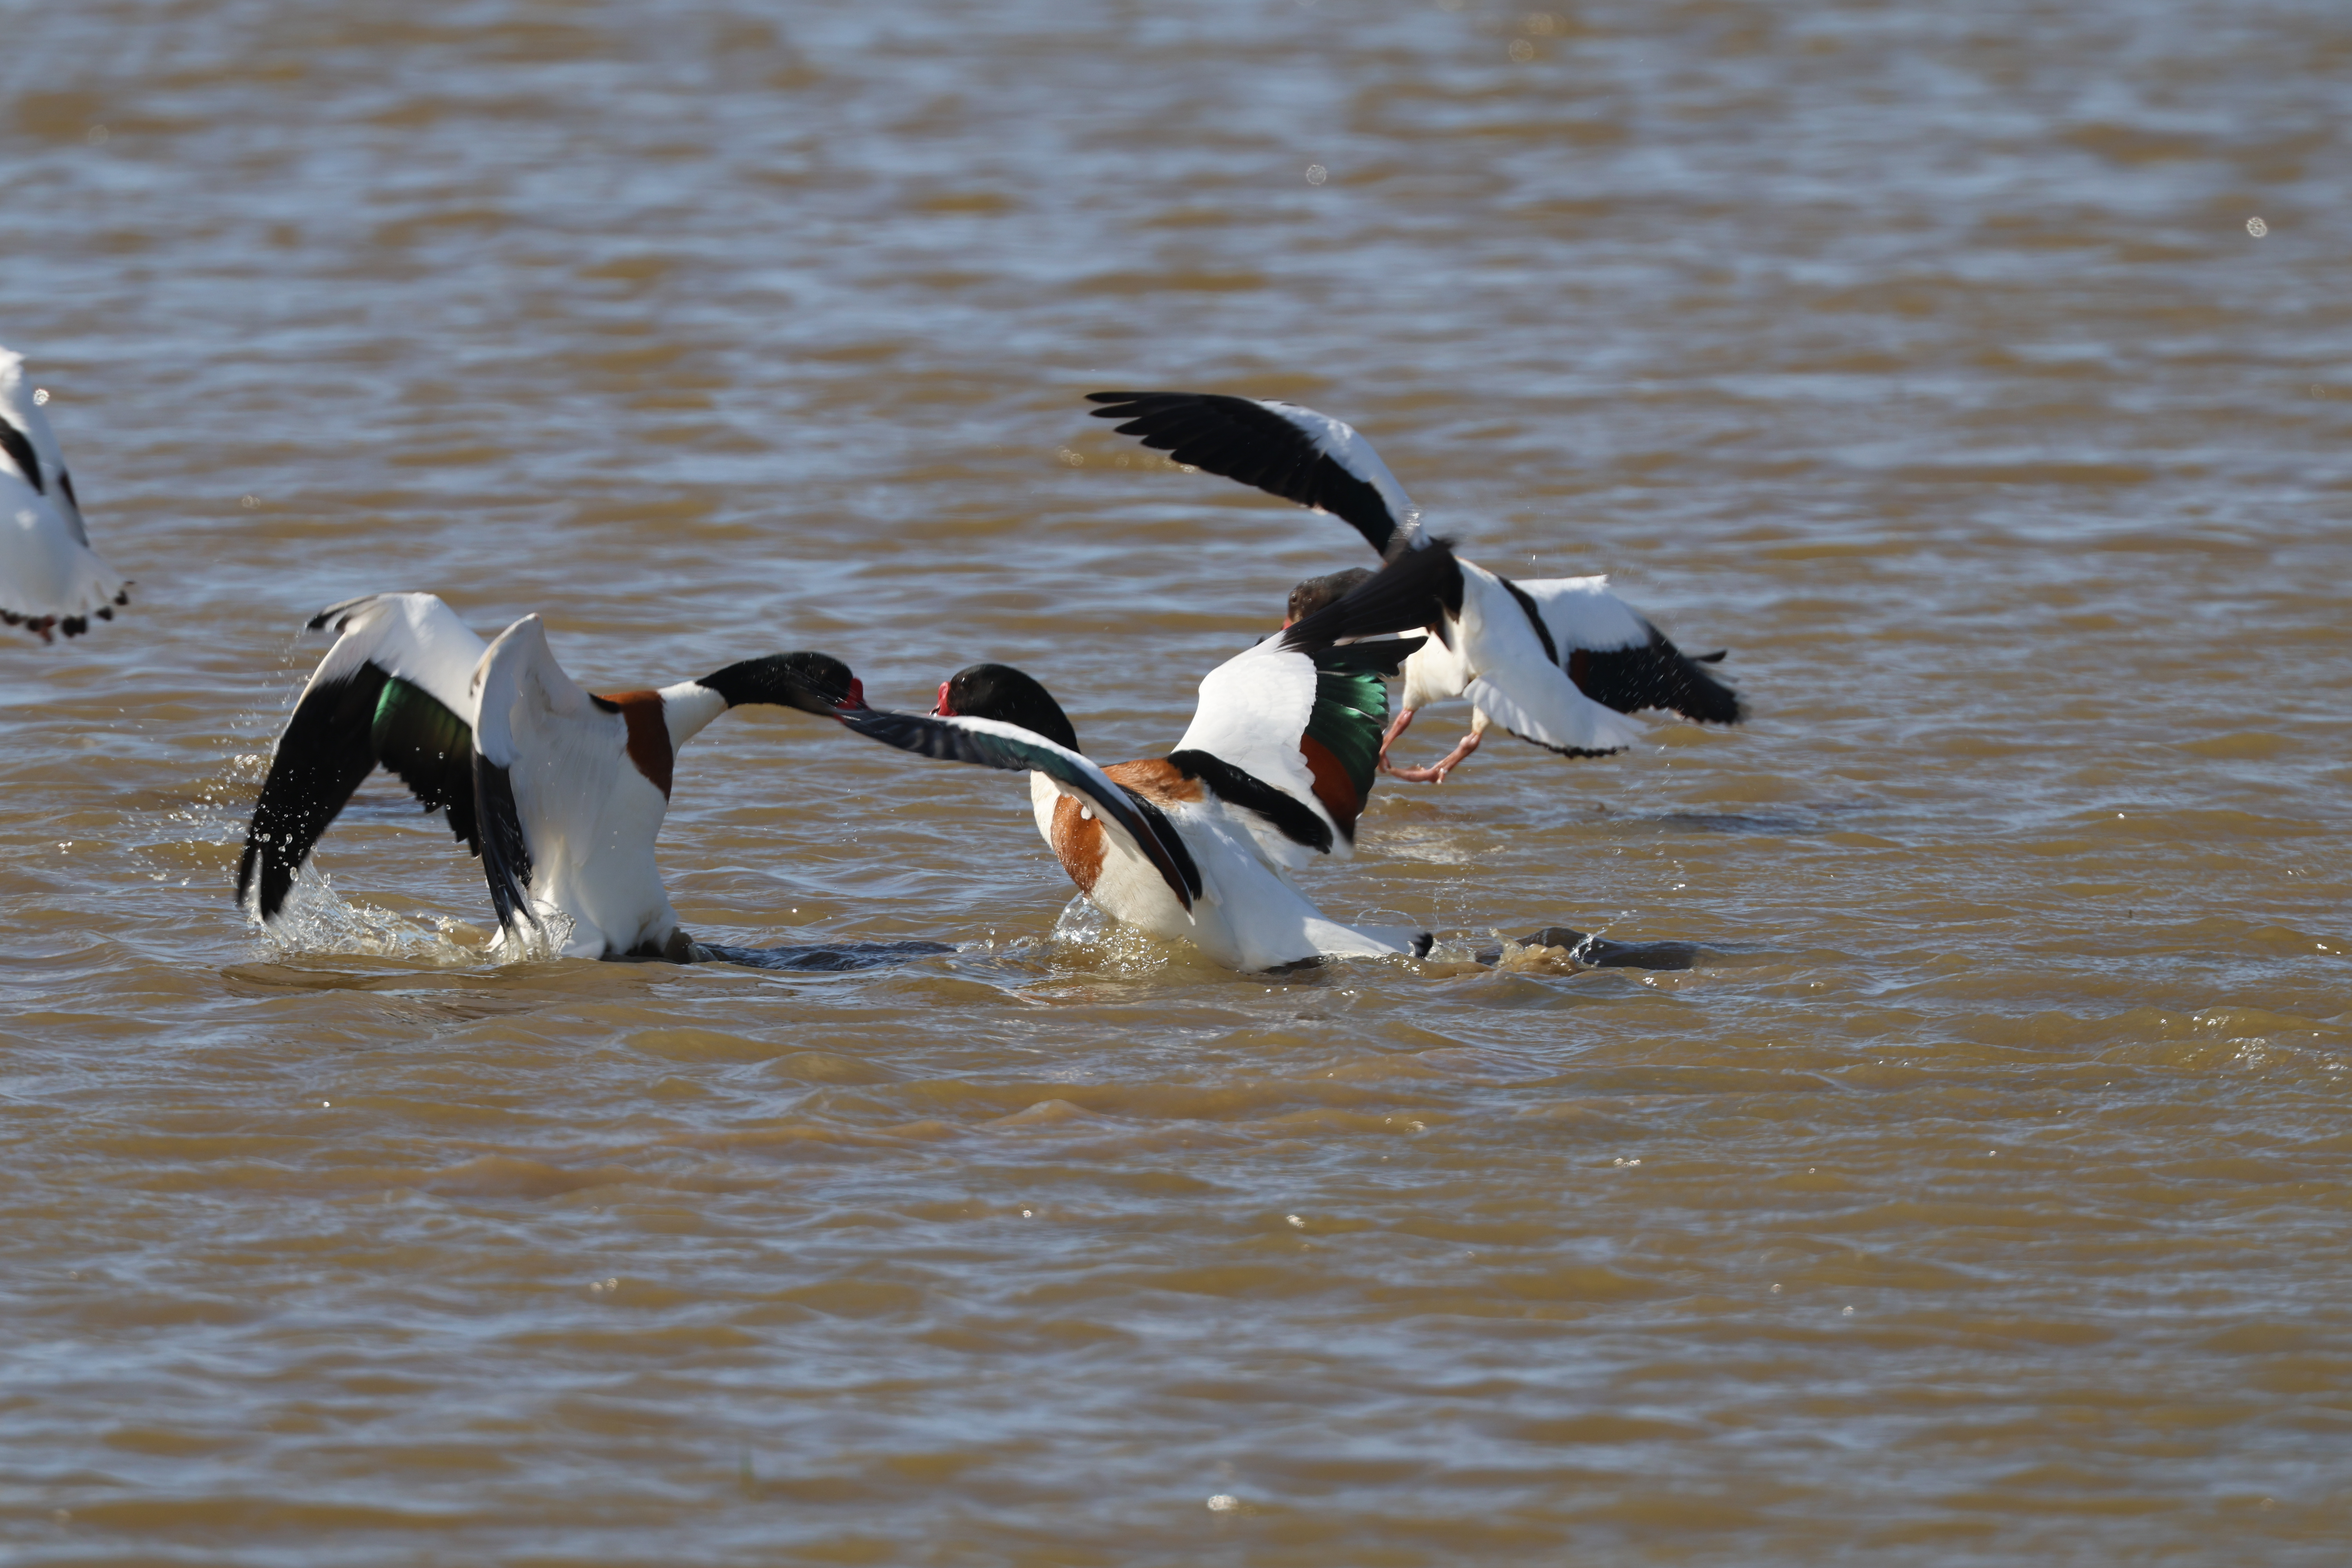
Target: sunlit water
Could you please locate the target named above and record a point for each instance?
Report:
(1980, 1198)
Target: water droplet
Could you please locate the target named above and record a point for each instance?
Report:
(98, 136)
(1776, 1288)
(1847, 1313)
(249, 501)
(40, 394)
(1224, 1502)
(1317, 173)
(325, 1104)
(1522, 51)
(2257, 227)
(1025, 1213)
(1295, 1223)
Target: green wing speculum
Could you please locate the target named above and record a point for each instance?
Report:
(340, 732)
(432, 750)
(1351, 710)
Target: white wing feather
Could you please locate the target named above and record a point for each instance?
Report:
(47, 567)
(557, 746)
(17, 407)
(1253, 710)
(1344, 445)
(413, 636)
(1582, 612)
(591, 859)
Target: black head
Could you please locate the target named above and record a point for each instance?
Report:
(812, 683)
(1316, 592)
(1001, 692)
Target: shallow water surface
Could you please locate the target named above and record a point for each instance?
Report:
(1979, 1197)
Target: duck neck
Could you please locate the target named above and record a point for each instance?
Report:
(688, 707)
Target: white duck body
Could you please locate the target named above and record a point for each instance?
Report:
(49, 576)
(589, 782)
(1273, 772)
(1248, 916)
(1491, 652)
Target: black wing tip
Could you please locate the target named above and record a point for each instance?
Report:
(506, 853)
(1163, 397)
(1414, 589)
(1656, 675)
(1708, 699)
(276, 880)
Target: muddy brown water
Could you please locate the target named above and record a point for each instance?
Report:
(1980, 1195)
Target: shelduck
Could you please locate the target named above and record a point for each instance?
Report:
(561, 793)
(1556, 661)
(50, 579)
(1271, 776)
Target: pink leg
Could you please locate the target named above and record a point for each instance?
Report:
(1467, 744)
(1403, 719)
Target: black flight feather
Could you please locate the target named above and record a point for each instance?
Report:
(1655, 674)
(19, 447)
(1292, 819)
(1245, 440)
(338, 735)
(1419, 588)
(505, 855)
(1535, 619)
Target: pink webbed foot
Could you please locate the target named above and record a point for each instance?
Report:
(1446, 764)
(1403, 719)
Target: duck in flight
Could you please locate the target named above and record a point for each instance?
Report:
(1271, 776)
(50, 579)
(561, 793)
(1557, 661)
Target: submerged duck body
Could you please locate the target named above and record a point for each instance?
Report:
(1271, 776)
